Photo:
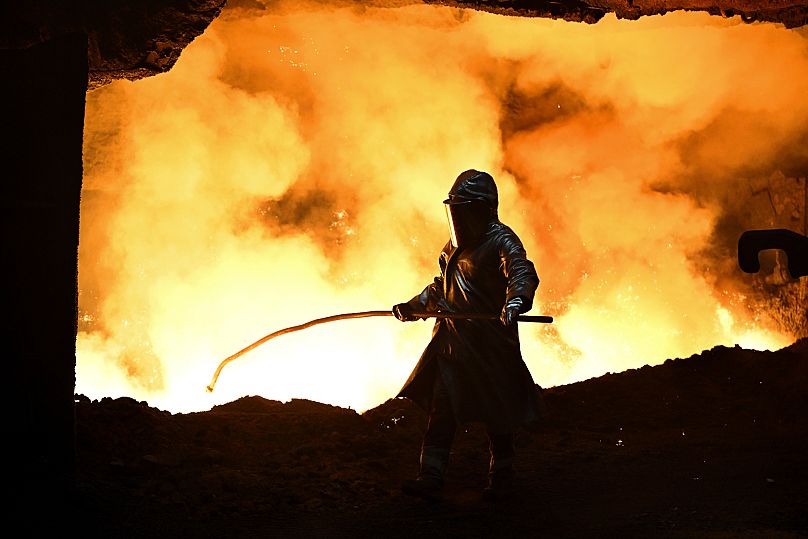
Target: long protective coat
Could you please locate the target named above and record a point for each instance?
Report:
(480, 360)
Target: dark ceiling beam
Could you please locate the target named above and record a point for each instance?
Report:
(131, 39)
(790, 13)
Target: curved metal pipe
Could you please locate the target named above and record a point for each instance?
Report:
(795, 245)
(363, 314)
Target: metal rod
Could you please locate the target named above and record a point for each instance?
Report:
(485, 316)
(364, 314)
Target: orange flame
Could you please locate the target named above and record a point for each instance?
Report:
(292, 165)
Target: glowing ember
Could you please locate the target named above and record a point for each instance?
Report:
(251, 189)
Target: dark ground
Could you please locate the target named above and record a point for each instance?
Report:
(715, 445)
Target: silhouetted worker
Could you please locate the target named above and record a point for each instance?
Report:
(472, 370)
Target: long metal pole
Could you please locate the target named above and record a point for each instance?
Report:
(365, 314)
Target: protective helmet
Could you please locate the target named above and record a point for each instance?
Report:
(471, 206)
(474, 185)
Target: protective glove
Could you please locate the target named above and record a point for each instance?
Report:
(512, 309)
(403, 311)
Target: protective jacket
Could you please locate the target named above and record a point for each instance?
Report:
(480, 361)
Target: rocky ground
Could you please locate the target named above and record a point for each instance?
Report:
(714, 445)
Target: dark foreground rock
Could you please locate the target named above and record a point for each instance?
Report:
(715, 445)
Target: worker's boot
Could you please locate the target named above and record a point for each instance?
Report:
(429, 482)
(500, 468)
(500, 484)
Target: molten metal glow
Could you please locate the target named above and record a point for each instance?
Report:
(292, 166)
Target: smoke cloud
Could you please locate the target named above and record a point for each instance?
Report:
(293, 163)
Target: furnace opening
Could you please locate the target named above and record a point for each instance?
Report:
(292, 165)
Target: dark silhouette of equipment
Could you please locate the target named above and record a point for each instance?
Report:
(795, 245)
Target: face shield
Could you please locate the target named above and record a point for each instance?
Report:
(468, 221)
